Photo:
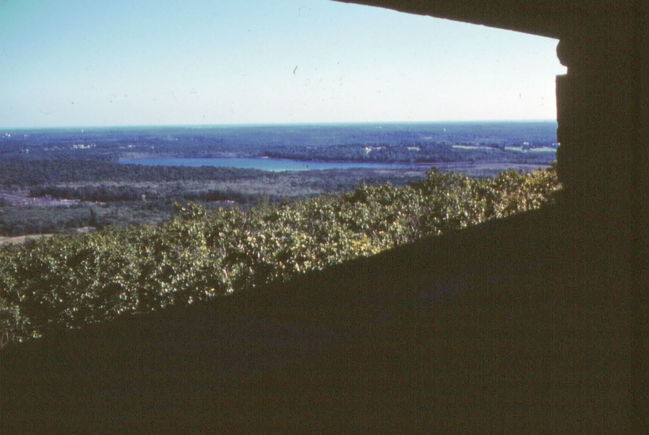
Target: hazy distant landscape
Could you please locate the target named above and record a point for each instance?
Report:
(62, 180)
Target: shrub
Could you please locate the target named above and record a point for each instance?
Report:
(71, 281)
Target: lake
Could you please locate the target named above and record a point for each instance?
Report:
(262, 163)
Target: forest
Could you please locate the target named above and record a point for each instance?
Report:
(66, 180)
(415, 152)
(71, 281)
(100, 193)
(86, 239)
(515, 142)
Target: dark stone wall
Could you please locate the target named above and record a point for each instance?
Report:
(546, 18)
(603, 130)
(603, 161)
(641, 296)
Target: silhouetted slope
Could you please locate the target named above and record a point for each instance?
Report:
(497, 327)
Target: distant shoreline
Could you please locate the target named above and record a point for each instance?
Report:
(271, 125)
(263, 163)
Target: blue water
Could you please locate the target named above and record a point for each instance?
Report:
(265, 164)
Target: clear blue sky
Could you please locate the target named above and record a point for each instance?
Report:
(145, 62)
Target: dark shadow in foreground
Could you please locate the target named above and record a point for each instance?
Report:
(507, 326)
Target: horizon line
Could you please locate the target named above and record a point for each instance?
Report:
(272, 124)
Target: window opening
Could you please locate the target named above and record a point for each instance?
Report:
(243, 134)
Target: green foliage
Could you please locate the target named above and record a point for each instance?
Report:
(71, 281)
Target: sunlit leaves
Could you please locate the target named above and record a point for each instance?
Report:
(71, 281)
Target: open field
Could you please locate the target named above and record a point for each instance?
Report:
(21, 239)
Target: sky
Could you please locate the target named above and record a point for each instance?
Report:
(176, 62)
